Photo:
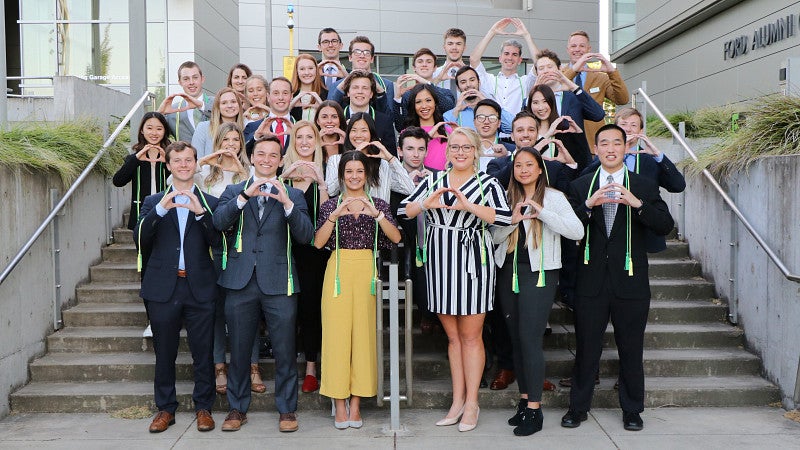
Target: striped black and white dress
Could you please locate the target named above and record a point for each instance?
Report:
(460, 266)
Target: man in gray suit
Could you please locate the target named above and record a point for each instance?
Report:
(259, 215)
(192, 107)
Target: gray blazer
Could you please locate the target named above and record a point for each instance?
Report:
(263, 241)
(179, 123)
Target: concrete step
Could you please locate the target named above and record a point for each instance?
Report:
(123, 236)
(107, 272)
(106, 314)
(661, 391)
(674, 268)
(119, 253)
(675, 249)
(123, 292)
(681, 288)
(82, 367)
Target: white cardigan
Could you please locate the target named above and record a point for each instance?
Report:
(558, 219)
(391, 177)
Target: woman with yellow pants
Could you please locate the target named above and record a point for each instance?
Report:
(354, 226)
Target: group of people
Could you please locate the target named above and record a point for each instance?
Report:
(276, 198)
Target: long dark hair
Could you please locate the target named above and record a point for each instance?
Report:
(373, 164)
(369, 168)
(165, 140)
(335, 105)
(549, 97)
(412, 119)
(516, 194)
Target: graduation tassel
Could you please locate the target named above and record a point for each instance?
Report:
(139, 261)
(515, 277)
(628, 264)
(586, 248)
(540, 281)
(373, 287)
(419, 258)
(337, 287)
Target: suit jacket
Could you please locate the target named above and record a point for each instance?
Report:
(249, 134)
(600, 86)
(160, 238)
(179, 123)
(607, 253)
(382, 102)
(560, 175)
(263, 241)
(581, 107)
(666, 175)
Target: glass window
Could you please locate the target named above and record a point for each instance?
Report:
(389, 67)
(37, 9)
(156, 58)
(38, 57)
(81, 10)
(156, 10)
(96, 51)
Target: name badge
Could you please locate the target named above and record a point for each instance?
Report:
(594, 90)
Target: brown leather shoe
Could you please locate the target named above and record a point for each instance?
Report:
(567, 382)
(502, 380)
(161, 422)
(204, 420)
(255, 374)
(288, 422)
(234, 421)
(548, 386)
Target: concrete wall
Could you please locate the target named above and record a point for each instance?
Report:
(402, 27)
(689, 71)
(74, 98)
(765, 304)
(26, 297)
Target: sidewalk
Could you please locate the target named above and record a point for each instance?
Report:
(665, 428)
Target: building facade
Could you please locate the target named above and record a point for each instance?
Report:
(699, 53)
(90, 38)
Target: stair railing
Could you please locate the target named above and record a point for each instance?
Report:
(57, 209)
(735, 210)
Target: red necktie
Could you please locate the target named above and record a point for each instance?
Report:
(279, 131)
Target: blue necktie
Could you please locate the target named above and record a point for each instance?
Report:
(183, 215)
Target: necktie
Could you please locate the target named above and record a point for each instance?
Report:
(279, 131)
(329, 78)
(579, 80)
(183, 215)
(609, 209)
(261, 202)
(198, 116)
(453, 83)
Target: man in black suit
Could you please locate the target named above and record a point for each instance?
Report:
(260, 278)
(613, 281)
(360, 88)
(179, 288)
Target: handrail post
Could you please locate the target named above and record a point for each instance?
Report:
(733, 267)
(682, 194)
(55, 233)
(394, 344)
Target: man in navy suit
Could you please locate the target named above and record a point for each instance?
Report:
(260, 278)
(362, 54)
(644, 158)
(617, 207)
(361, 88)
(178, 287)
(279, 121)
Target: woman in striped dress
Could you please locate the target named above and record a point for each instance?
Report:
(459, 205)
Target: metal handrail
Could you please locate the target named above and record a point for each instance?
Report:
(728, 201)
(21, 254)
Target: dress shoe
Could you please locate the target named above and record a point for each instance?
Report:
(447, 421)
(567, 382)
(341, 425)
(288, 422)
(469, 426)
(255, 375)
(234, 421)
(161, 422)
(548, 330)
(204, 420)
(516, 418)
(221, 371)
(548, 386)
(502, 380)
(356, 423)
(310, 384)
(632, 421)
(573, 419)
(532, 420)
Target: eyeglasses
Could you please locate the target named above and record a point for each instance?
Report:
(330, 42)
(461, 148)
(483, 118)
(359, 52)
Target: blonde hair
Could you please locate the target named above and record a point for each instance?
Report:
(474, 139)
(291, 152)
(216, 172)
(216, 115)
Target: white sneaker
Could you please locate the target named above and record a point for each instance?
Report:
(148, 332)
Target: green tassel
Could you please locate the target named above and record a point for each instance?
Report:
(586, 252)
(224, 260)
(373, 287)
(290, 286)
(515, 284)
(540, 282)
(337, 287)
(629, 264)
(138, 261)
